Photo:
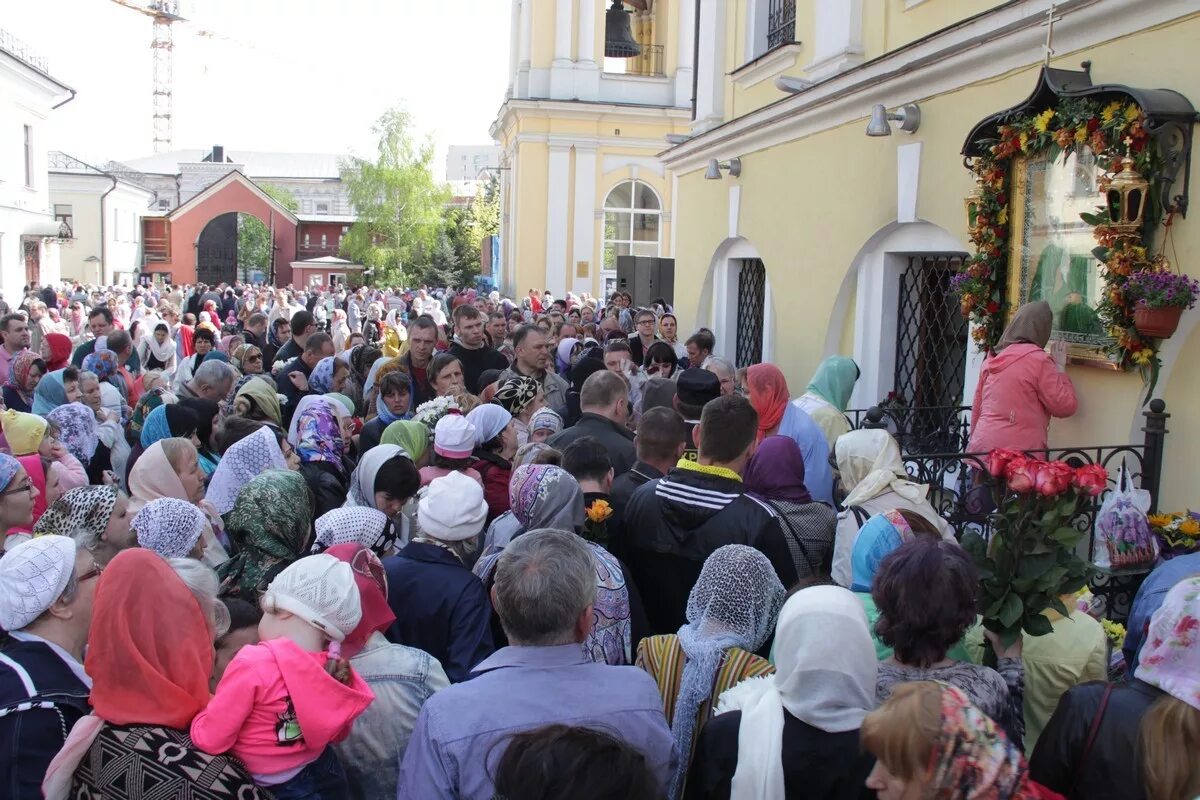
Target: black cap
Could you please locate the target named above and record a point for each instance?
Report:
(695, 386)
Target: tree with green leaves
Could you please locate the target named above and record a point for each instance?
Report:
(253, 246)
(398, 203)
(483, 215)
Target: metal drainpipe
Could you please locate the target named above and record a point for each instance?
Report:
(103, 222)
(696, 61)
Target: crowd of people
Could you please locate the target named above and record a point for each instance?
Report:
(434, 544)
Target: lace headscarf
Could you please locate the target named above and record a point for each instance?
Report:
(168, 526)
(77, 430)
(245, 460)
(734, 603)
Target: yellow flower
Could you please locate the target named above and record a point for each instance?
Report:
(1160, 520)
(1132, 112)
(1081, 134)
(1002, 217)
(1115, 632)
(1024, 141)
(599, 511)
(1189, 526)
(1042, 121)
(1143, 356)
(1110, 111)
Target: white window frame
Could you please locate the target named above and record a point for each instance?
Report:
(322, 204)
(29, 171)
(631, 210)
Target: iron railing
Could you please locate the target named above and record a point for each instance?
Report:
(648, 64)
(781, 23)
(953, 491)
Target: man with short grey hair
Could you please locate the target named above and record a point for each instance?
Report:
(545, 584)
(725, 372)
(212, 381)
(604, 401)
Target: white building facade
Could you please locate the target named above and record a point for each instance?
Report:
(29, 233)
(104, 214)
(467, 166)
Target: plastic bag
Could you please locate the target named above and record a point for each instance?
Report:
(1123, 538)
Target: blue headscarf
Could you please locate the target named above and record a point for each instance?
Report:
(381, 409)
(9, 467)
(49, 394)
(215, 355)
(879, 535)
(320, 380)
(167, 421)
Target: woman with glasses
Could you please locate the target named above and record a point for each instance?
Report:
(19, 495)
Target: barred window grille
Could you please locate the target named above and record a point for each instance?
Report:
(752, 290)
(931, 349)
(781, 22)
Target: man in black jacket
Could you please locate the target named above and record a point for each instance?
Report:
(604, 401)
(674, 523)
(660, 440)
(471, 348)
(303, 325)
(292, 380)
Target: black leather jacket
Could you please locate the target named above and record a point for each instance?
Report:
(1111, 769)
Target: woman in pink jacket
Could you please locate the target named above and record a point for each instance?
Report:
(1021, 386)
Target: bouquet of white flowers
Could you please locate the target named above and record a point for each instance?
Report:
(429, 412)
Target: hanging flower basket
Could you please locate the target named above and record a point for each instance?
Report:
(1157, 323)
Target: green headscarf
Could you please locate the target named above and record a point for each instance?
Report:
(268, 542)
(345, 401)
(412, 436)
(834, 381)
(264, 397)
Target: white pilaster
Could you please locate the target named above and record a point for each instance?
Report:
(710, 61)
(558, 178)
(562, 31)
(908, 181)
(838, 41)
(525, 47)
(585, 219)
(587, 33)
(514, 38)
(687, 54)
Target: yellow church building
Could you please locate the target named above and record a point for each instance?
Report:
(846, 221)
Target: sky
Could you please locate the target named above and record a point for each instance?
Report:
(280, 75)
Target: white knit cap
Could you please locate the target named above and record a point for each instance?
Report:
(319, 590)
(454, 436)
(32, 576)
(452, 508)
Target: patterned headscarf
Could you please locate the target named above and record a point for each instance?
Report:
(102, 362)
(86, 508)
(18, 372)
(268, 542)
(246, 459)
(169, 527)
(972, 757)
(878, 537)
(1170, 659)
(318, 435)
(320, 380)
(149, 401)
(241, 353)
(408, 434)
(516, 393)
(76, 430)
(9, 467)
(357, 525)
(545, 419)
(545, 496)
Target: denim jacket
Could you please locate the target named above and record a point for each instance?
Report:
(402, 678)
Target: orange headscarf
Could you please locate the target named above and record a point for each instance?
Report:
(150, 651)
(769, 396)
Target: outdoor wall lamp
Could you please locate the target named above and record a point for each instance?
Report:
(786, 83)
(909, 117)
(713, 173)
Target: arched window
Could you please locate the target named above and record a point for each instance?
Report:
(632, 226)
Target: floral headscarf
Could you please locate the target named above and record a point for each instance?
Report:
(18, 372)
(268, 542)
(87, 508)
(76, 430)
(972, 757)
(318, 435)
(516, 393)
(545, 496)
(102, 362)
(320, 380)
(1170, 659)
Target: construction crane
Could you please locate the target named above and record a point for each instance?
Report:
(164, 14)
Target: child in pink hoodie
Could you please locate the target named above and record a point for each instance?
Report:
(282, 702)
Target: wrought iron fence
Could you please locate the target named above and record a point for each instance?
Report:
(648, 64)
(953, 489)
(752, 287)
(781, 22)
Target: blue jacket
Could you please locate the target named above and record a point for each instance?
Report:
(440, 608)
(41, 698)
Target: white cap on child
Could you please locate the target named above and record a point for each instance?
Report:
(321, 591)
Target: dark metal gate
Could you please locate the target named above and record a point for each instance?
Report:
(751, 299)
(216, 251)
(781, 22)
(931, 350)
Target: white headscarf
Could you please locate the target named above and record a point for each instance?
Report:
(252, 456)
(350, 526)
(870, 464)
(825, 672)
(362, 482)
